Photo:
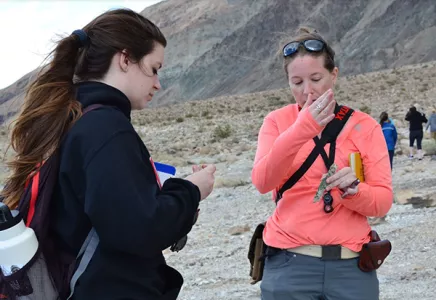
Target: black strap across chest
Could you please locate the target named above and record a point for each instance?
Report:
(329, 135)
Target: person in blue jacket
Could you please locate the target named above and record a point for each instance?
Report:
(390, 133)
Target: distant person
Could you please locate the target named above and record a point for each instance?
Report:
(107, 180)
(313, 249)
(416, 119)
(432, 124)
(390, 134)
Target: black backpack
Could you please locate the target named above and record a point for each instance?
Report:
(49, 275)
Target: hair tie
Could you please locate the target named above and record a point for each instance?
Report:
(83, 37)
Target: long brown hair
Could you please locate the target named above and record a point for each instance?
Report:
(50, 107)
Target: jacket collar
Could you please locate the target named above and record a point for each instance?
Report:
(93, 92)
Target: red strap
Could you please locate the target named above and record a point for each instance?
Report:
(33, 196)
(155, 173)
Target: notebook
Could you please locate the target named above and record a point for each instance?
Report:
(356, 165)
(164, 171)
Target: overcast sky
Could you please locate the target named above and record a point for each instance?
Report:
(28, 27)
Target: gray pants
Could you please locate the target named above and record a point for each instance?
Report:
(289, 276)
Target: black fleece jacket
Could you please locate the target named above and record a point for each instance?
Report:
(106, 181)
(416, 119)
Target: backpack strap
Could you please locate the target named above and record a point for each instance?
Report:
(91, 107)
(91, 242)
(329, 135)
(86, 252)
(35, 178)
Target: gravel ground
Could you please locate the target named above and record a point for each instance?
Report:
(215, 266)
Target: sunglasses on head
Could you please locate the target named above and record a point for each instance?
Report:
(311, 45)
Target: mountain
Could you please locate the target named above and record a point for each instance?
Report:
(227, 47)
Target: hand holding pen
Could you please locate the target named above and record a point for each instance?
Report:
(345, 180)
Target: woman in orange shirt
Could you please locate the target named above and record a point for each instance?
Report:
(313, 251)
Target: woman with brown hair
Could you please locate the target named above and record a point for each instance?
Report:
(106, 180)
(313, 246)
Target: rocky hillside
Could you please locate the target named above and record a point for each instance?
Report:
(227, 47)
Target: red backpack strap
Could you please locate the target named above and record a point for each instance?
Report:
(33, 196)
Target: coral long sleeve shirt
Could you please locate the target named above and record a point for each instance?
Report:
(285, 141)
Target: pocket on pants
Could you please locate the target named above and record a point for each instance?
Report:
(279, 260)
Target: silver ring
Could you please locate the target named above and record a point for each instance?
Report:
(318, 107)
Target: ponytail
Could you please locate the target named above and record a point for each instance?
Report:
(50, 106)
(49, 109)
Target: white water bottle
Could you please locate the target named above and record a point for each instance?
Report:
(18, 243)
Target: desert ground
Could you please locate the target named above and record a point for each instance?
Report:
(224, 131)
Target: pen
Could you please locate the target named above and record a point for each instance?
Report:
(352, 186)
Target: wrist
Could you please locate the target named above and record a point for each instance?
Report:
(352, 191)
(308, 122)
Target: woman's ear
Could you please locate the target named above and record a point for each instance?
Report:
(335, 73)
(123, 60)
